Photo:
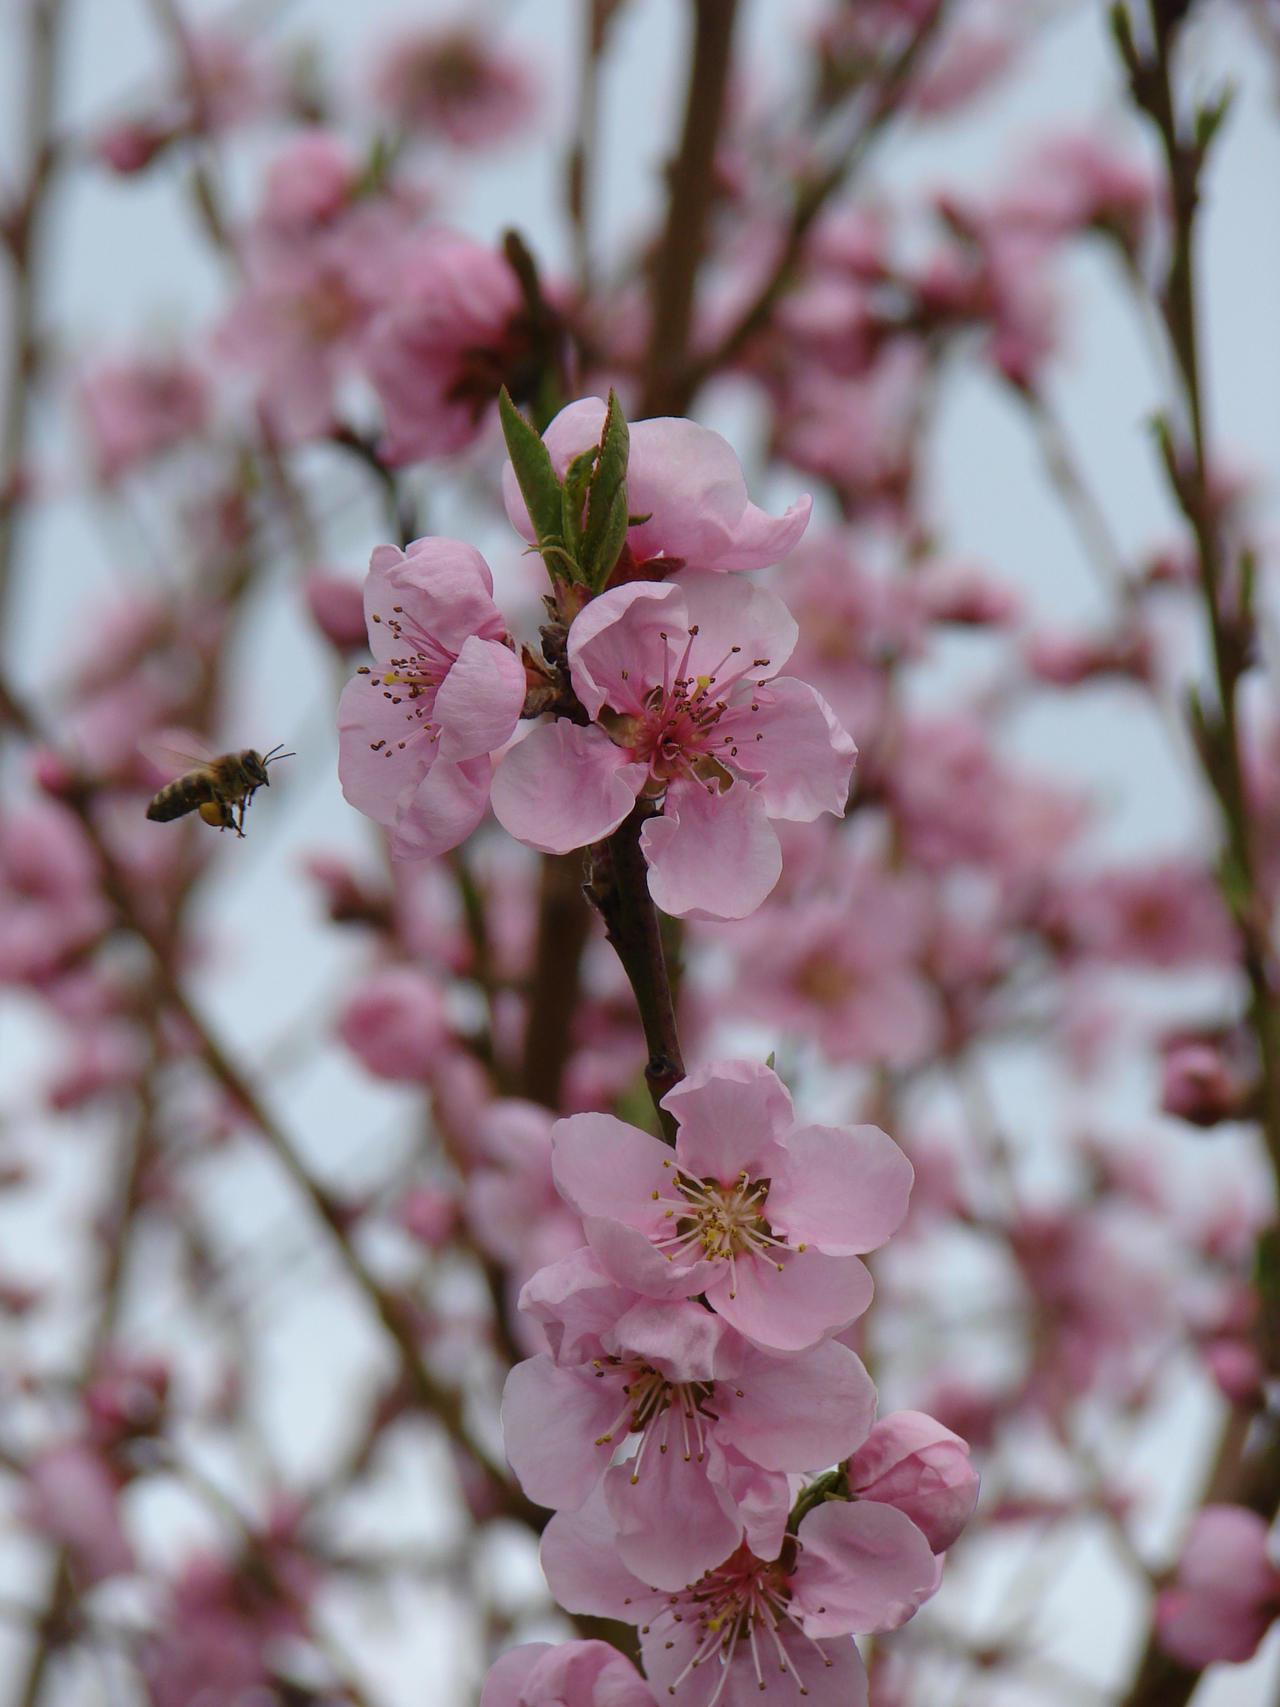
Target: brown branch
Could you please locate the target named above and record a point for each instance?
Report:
(811, 196)
(619, 889)
(563, 927)
(666, 389)
(1245, 1472)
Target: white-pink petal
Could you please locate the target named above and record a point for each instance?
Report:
(442, 810)
(619, 642)
(551, 1421)
(843, 1189)
(790, 1300)
(711, 855)
(801, 1412)
(479, 702)
(732, 1115)
(563, 787)
(803, 756)
(863, 1567)
(732, 612)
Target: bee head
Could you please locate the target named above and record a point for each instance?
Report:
(258, 766)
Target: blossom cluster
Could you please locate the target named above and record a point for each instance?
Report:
(669, 691)
(698, 1366)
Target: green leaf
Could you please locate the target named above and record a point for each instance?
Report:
(607, 517)
(577, 484)
(535, 476)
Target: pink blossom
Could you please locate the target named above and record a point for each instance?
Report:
(217, 1642)
(858, 433)
(699, 1403)
(315, 261)
(134, 410)
(688, 483)
(450, 331)
(430, 1215)
(1203, 1085)
(397, 1022)
(1163, 915)
(860, 992)
(766, 1629)
(337, 609)
(1227, 1591)
(574, 1674)
(452, 83)
(763, 1216)
(72, 1497)
(680, 678)
(1078, 182)
(50, 905)
(312, 180)
(416, 732)
(913, 1463)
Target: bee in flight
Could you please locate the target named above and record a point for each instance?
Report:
(218, 788)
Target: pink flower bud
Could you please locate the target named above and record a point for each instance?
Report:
(133, 144)
(1227, 1591)
(337, 609)
(429, 1215)
(1199, 1085)
(396, 1023)
(1236, 1369)
(912, 1462)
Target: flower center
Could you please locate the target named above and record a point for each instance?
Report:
(717, 1222)
(663, 1413)
(410, 680)
(742, 1608)
(676, 734)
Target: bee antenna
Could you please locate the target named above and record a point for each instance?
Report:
(275, 753)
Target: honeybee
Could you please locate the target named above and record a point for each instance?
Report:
(219, 788)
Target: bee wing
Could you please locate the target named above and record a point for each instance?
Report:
(173, 751)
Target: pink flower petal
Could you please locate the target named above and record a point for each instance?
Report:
(480, 700)
(444, 583)
(863, 1567)
(842, 1188)
(571, 1674)
(373, 780)
(672, 1523)
(442, 810)
(602, 1166)
(711, 856)
(800, 1412)
(563, 787)
(690, 481)
(803, 756)
(582, 1567)
(791, 1303)
(736, 613)
(634, 1261)
(618, 641)
(552, 1421)
(732, 1115)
